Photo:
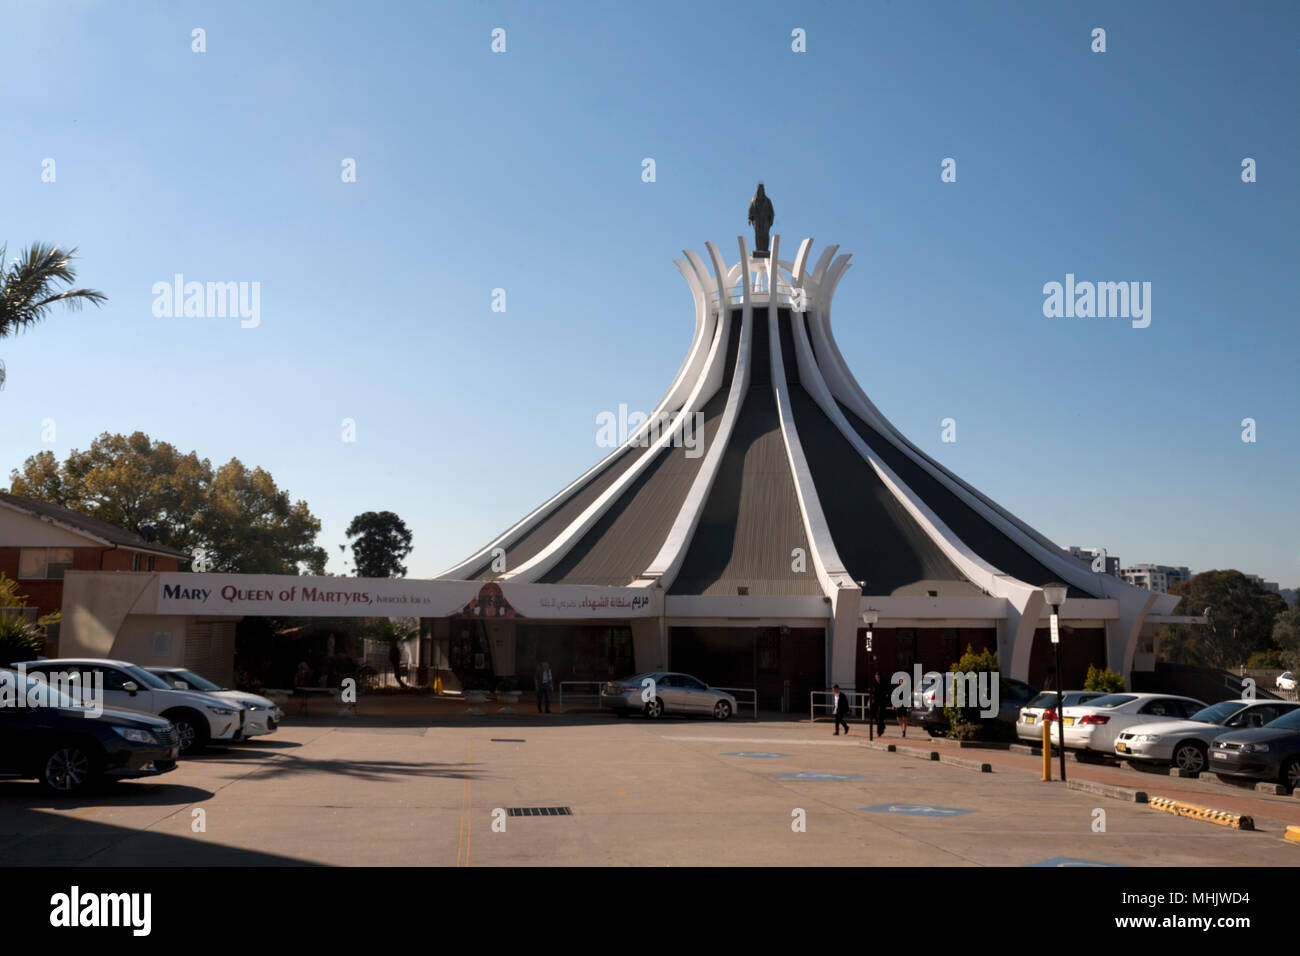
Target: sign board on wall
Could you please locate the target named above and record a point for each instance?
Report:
(310, 596)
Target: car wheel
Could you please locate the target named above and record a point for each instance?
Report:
(1290, 777)
(1190, 756)
(68, 769)
(654, 708)
(934, 731)
(191, 730)
(722, 710)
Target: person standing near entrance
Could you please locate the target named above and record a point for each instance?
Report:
(544, 686)
(840, 706)
(879, 698)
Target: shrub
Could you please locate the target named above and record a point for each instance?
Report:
(1103, 679)
(965, 723)
(19, 640)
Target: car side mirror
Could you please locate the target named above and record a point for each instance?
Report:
(131, 687)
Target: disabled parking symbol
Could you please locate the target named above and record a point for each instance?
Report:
(816, 775)
(1071, 861)
(757, 755)
(917, 810)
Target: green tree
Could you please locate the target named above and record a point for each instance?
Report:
(248, 524)
(383, 542)
(29, 286)
(242, 520)
(1240, 613)
(1104, 679)
(1286, 635)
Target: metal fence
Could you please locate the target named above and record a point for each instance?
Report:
(583, 696)
(751, 702)
(857, 703)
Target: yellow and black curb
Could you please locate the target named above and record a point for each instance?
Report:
(1292, 834)
(1238, 821)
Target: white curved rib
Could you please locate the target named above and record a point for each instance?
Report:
(687, 375)
(1132, 601)
(831, 574)
(704, 388)
(668, 561)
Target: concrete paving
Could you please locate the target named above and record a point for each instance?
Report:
(379, 792)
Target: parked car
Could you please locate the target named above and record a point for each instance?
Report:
(1012, 696)
(262, 716)
(1186, 743)
(1029, 725)
(199, 718)
(1268, 753)
(69, 750)
(671, 693)
(1094, 726)
(1285, 681)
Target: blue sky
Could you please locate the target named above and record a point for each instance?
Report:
(522, 171)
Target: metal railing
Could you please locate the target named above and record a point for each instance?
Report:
(786, 294)
(857, 703)
(598, 684)
(751, 702)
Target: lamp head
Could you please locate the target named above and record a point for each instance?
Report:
(1055, 593)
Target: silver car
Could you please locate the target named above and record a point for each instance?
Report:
(665, 692)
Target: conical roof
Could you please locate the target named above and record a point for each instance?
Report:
(767, 472)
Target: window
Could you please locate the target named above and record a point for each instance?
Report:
(1163, 707)
(113, 678)
(44, 563)
(150, 563)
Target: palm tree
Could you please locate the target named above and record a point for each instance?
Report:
(28, 284)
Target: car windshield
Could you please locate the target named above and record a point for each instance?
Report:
(1217, 713)
(194, 680)
(1046, 699)
(1289, 721)
(145, 679)
(1111, 700)
(23, 687)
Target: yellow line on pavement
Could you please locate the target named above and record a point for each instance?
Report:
(466, 830)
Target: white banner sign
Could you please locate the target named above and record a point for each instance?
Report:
(294, 596)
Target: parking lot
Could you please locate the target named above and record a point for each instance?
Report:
(381, 791)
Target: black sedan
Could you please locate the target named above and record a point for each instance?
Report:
(1268, 753)
(48, 736)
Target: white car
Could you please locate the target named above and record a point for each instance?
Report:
(263, 716)
(1185, 743)
(1094, 726)
(1029, 726)
(199, 718)
(1285, 681)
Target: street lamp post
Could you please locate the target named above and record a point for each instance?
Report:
(869, 617)
(1055, 594)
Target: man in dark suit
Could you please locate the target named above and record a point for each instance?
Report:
(840, 706)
